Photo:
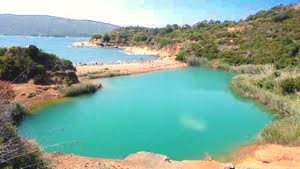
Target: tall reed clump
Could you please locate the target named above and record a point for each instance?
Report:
(79, 89)
(285, 130)
(197, 61)
(217, 64)
(252, 69)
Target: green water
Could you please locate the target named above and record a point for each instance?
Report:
(182, 113)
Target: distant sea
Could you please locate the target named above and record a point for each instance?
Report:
(60, 46)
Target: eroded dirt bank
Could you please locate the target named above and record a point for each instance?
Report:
(32, 95)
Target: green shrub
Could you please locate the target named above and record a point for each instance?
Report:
(277, 74)
(281, 17)
(140, 37)
(32, 63)
(164, 42)
(40, 76)
(181, 56)
(67, 81)
(105, 38)
(97, 36)
(288, 86)
(79, 89)
(297, 83)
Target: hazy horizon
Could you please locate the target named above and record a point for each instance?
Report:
(148, 13)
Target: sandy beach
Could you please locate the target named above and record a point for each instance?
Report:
(165, 60)
(132, 68)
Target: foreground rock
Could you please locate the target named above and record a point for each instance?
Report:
(260, 157)
(140, 160)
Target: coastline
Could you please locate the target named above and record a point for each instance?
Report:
(165, 60)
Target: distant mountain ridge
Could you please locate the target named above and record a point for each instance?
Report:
(44, 25)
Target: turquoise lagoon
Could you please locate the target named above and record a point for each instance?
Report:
(184, 113)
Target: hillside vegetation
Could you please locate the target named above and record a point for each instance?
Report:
(271, 36)
(42, 25)
(264, 49)
(19, 65)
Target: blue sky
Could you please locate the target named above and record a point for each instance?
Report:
(191, 11)
(150, 13)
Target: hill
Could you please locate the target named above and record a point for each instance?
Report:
(268, 37)
(43, 25)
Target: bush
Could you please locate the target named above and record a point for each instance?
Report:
(140, 37)
(97, 36)
(288, 86)
(164, 42)
(297, 83)
(40, 77)
(105, 38)
(181, 56)
(79, 89)
(281, 17)
(22, 64)
(266, 84)
(67, 81)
